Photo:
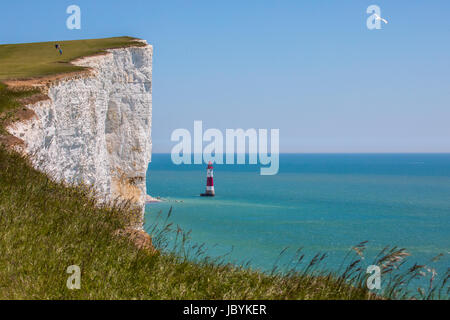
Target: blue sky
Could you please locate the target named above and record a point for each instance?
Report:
(309, 68)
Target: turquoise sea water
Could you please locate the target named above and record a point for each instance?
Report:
(322, 203)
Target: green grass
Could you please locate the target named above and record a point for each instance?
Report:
(28, 60)
(9, 103)
(47, 227)
(8, 97)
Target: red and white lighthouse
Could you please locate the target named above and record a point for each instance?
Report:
(209, 182)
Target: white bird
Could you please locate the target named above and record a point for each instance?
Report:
(377, 17)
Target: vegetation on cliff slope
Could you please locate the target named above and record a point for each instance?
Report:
(47, 226)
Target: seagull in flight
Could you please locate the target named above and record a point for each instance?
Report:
(377, 17)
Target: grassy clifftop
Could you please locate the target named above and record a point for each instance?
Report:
(23, 65)
(28, 60)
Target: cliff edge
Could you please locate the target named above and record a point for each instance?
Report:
(95, 127)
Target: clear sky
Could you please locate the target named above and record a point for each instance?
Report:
(309, 68)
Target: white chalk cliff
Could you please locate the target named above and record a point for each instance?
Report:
(96, 128)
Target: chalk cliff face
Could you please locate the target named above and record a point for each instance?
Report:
(96, 128)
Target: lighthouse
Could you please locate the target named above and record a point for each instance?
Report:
(209, 182)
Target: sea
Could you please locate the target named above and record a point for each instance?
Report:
(317, 203)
